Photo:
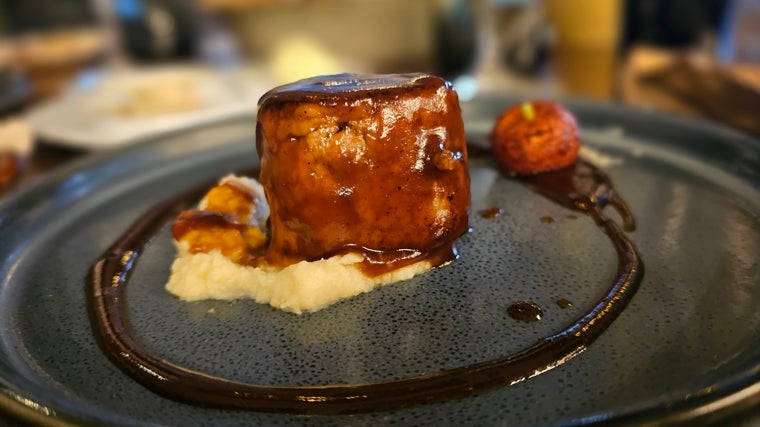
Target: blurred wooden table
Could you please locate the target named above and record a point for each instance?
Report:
(686, 83)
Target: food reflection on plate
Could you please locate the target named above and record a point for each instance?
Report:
(420, 209)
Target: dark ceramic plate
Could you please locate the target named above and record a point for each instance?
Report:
(686, 348)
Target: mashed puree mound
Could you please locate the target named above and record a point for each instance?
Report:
(300, 287)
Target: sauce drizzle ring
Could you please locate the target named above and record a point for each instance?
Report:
(106, 301)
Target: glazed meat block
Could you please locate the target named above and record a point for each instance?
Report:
(372, 164)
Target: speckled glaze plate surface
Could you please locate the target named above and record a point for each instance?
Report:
(687, 347)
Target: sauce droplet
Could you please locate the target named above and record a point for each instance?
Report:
(526, 311)
(491, 212)
(547, 219)
(564, 303)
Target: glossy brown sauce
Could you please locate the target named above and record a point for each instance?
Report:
(581, 187)
(564, 303)
(491, 212)
(526, 311)
(547, 219)
(379, 262)
(204, 221)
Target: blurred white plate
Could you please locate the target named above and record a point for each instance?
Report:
(109, 109)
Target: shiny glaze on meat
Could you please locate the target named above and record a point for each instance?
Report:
(376, 164)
